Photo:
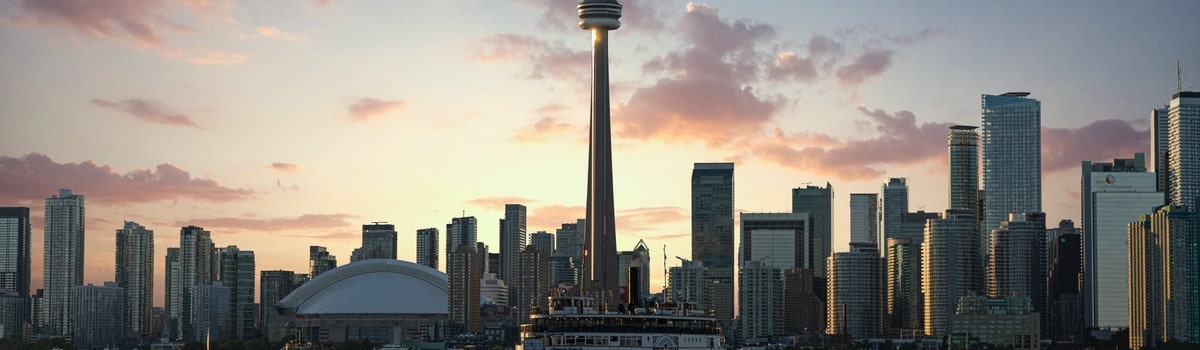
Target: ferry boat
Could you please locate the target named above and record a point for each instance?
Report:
(573, 323)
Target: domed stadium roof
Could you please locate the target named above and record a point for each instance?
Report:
(374, 286)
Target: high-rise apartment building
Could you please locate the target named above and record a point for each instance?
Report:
(1183, 149)
(98, 316)
(465, 270)
(864, 217)
(563, 270)
(378, 242)
(818, 203)
(210, 312)
(569, 240)
(904, 298)
(803, 310)
(15, 233)
(893, 203)
(135, 275)
(856, 292)
(513, 240)
(949, 267)
(427, 247)
(64, 238)
(196, 267)
(1112, 195)
(543, 240)
(273, 286)
(963, 148)
(237, 273)
(319, 261)
(535, 282)
(1164, 287)
(690, 283)
(784, 238)
(712, 231)
(1012, 157)
(173, 295)
(760, 299)
(1017, 260)
(461, 231)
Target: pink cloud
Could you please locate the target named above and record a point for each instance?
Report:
(647, 218)
(793, 67)
(136, 20)
(302, 222)
(34, 176)
(284, 167)
(367, 108)
(869, 64)
(708, 96)
(900, 141)
(150, 111)
(548, 60)
(549, 217)
(323, 3)
(550, 126)
(271, 32)
(1099, 141)
(220, 59)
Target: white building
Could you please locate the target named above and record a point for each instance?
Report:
(949, 257)
(494, 288)
(689, 283)
(1183, 149)
(1012, 157)
(1113, 195)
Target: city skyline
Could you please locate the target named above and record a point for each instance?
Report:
(248, 179)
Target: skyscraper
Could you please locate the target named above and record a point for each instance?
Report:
(209, 305)
(690, 283)
(1017, 260)
(600, 235)
(903, 301)
(98, 316)
(534, 279)
(135, 275)
(378, 242)
(237, 273)
(465, 270)
(1012, 157)
(513, 240)
(195, 268)
(712, 231)
(949, 256)
(1164, 290)
(15, 232)
(273, 286)
(173, 305)
(1066, 263)
(319, 261)
(818, 203)
(893, 203)
(1183, 159)
(782, 237)
(543, 240)
(1160, 143)
(1112, 195)
(963, 148)
(427, 247)
(64, 250)
(760, 299)
(568, 239)
(461, 231)
(856, 292)
(864, 217)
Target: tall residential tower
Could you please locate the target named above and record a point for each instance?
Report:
(712, 231)
(64, 249)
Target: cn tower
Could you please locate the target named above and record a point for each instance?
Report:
(600, 236)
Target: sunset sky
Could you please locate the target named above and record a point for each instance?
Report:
(283, 124)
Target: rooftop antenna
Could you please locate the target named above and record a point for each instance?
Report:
(1178, 76)
(666, 277)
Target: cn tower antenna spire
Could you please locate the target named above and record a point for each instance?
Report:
(600, 266)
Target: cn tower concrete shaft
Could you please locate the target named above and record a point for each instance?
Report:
(600, 238)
